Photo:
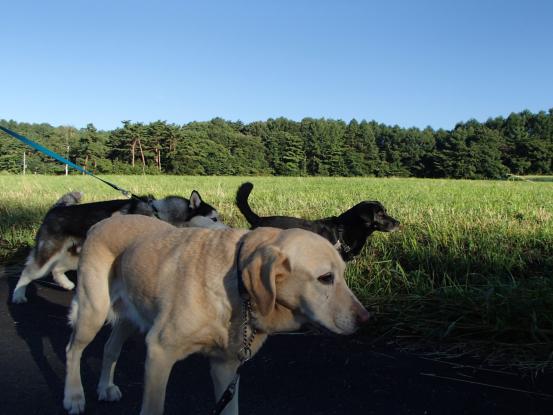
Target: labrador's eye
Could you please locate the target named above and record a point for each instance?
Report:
(327, 278)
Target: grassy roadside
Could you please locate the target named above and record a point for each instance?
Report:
(472, 266)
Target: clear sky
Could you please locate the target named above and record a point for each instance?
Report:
(412, 63)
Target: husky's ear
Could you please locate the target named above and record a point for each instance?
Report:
(195, 200)
(262, 271)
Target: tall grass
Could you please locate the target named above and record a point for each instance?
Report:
(472, 264)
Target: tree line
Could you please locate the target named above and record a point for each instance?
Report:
(520, 144)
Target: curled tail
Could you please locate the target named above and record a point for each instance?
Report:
(71, 198)
(242, 202)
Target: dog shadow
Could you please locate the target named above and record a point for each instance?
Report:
(43, 325)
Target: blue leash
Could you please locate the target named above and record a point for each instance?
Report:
(61, 159)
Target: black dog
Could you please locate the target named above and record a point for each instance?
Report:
(347, 232)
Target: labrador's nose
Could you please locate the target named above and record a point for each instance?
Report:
(363, 316)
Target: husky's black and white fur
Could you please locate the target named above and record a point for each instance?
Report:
(64, 229)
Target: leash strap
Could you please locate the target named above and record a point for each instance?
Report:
(246, 352)
(228, 394)
(61, 159)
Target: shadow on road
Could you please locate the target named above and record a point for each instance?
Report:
(292, 374)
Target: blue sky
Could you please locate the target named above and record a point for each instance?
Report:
(412, 63)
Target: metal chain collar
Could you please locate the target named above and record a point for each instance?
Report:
(245, 352)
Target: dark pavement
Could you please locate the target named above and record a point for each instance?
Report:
(293, 374)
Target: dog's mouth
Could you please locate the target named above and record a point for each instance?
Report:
(316, 329)
(390, 226)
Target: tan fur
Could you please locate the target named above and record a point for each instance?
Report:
(180, 286)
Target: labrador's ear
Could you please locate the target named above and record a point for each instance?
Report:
(260, 274)
(195, 200)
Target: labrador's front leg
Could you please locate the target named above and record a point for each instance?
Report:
(159, 362)
(222, 373)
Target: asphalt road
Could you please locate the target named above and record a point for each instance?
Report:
(294, 374)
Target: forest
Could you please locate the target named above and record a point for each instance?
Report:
(521, 144)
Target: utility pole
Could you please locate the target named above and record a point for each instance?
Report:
(24, 163)
(67, 153)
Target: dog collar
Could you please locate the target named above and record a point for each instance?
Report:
(245, 353)
(244, 295)
(341, 245)
(156, 212)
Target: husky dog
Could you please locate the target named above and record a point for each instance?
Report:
(347, 232)
(63, 230)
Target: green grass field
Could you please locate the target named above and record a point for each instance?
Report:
(471, 267)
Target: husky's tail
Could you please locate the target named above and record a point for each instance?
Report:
(242, 202)
(71, 198)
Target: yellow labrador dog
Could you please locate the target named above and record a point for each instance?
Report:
(182, 287)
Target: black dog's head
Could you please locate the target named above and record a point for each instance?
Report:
(356, 224)
(375, 217)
